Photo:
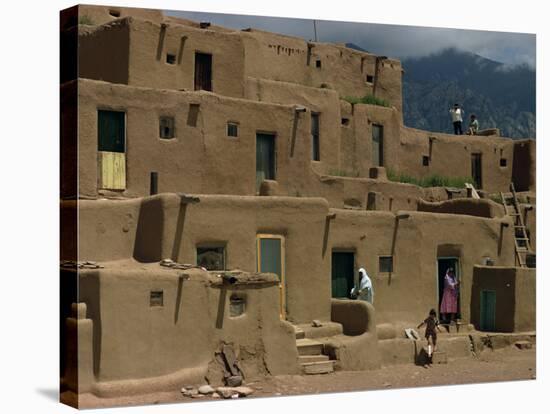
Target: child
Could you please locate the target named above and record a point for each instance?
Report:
(431, 323)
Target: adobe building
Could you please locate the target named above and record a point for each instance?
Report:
(238, 156)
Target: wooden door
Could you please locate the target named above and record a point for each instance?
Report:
(203, 71)
(111, 129)
(265, 158)
(270, 256)
(488, 303)
(476, 170)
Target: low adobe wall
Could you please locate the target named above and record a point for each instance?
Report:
(138, 346)
(515, 290)
(465, 206)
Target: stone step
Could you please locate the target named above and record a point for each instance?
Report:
(304, 359)
(523, 344)
(322, 367)
(300, 333)
(309, 347)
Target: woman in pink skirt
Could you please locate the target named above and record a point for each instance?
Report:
(449, 303)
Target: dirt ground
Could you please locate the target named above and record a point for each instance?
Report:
(501, 365)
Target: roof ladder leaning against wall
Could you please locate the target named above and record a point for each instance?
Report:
(521, 240)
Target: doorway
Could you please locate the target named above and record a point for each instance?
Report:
(487, 310)
(377, 145)
(444, 263)
(476, 170)
(270, 258)
(343, 273)
(203, 71)
(265, 158)
(111, 147)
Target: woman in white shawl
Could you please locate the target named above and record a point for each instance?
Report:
(365, 291)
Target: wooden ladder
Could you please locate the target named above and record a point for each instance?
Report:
(521, 239)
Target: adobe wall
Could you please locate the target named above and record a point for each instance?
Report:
(153, 235)
(150, 43)
(515, 309)
(407, 294)
(138, 347)
(468, 206)
(524, 174)
(104, 52)
(105, 14)
(200, 158)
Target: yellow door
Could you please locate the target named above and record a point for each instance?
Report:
(112, 170)
(270, 254)
(111, 147)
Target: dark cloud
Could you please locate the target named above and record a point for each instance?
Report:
(390, 40)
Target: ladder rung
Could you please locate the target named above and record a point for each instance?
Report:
(522, 238)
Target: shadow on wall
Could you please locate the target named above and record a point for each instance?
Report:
(89, 293)
(150, 230)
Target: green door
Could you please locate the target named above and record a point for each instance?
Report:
(487, 310)
(265, 158)
(342, 274)
(270, 253)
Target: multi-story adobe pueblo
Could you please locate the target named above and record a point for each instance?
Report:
(239, 151)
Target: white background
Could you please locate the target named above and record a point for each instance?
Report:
(29, 139)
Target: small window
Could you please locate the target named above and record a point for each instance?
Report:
(318, 63)
(237, 305)
(370, 79)
(232, 129)
(211, 257)
(503, 162)
(166, 127)
(385, 264)
(170, 59)
(345, 121)
(156, 298)
(425, 160)
(114, 13)
(315, 149)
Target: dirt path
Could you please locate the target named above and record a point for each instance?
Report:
(502, 365)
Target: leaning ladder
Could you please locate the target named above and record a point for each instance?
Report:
(521, 240)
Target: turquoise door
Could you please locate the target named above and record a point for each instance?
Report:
(487, 310)
(270, 254)
(342, 274)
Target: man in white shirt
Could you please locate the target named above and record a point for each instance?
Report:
(456, 115)
(365, 291)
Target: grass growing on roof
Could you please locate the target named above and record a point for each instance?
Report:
(433, 180)
(367, 99)
(343, 173)
(87, 20)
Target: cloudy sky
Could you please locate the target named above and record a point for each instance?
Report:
(390, 40)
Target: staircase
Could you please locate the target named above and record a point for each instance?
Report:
(310, 355)
(521, 239)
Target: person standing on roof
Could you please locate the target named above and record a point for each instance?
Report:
(365, 291)
(456, 115)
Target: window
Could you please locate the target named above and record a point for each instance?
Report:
(503, 162)
(114, 13)
(318, 63)
(237, 305)
(385, 264)
(211, 257)
(170, 59)
(166, 127)
(156, 298)
(232, 129)
(315, 150)
(345, 121)
(425, 160)
(370, 79)
(111, 131)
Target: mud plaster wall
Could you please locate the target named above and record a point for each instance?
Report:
(468, 206)
(200, 158)
(133, 340)
(103, 52)
(515, 297)
(102, 14)
(410, 291)
(160, 221)
(150, 43)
